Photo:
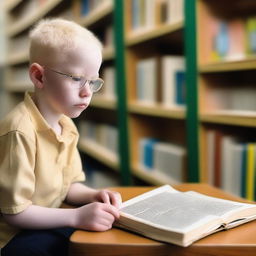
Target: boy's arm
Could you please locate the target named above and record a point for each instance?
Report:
(95, 216)
(80, 194)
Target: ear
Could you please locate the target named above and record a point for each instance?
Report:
(36, 75)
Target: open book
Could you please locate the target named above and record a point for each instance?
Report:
(181, 218)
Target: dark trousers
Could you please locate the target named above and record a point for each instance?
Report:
(49, 242)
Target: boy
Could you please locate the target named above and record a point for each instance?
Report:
(40, 166)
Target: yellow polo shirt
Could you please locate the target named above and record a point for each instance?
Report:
(36, 165)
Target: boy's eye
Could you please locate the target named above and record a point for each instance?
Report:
(76, 78)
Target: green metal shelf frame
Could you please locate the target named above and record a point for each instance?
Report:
(192, 95)
(121, 91)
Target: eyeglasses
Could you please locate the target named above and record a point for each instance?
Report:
(79, 82)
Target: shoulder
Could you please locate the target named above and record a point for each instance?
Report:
(18, 120)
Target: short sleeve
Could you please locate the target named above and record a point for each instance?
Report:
(78, 174)
(17, 179)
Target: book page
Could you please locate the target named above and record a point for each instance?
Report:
(179, 211)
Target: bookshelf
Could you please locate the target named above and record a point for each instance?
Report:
(26, 21)
(148, 39)
(20, 17)
(102, 117)
(99, 152)
(226, 95)
(220, 85)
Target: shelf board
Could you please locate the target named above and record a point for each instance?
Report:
(23, 56)
(108, 53)
(103, 102)
(140, 36)
(152, 177)
(157, 110)
(99, 153)
(230, 117)
(10, 4)
(246, 64)
(96, 15)
(19, 86)
(18, 58)
(30, 19)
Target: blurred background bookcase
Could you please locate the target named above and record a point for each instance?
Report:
(20, 16)
(210, 129)
(227, 95)
(99, 133)
(150, 36)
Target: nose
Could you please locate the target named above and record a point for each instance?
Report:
(85, 91)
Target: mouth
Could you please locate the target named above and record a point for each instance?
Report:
(82, 106)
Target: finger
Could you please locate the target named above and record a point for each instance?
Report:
(105, 197)
(112, 210)
(116, 199)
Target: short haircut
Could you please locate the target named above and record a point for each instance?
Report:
(53, 35)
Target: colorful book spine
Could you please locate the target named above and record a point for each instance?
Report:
(180, 88)
(250, 171)
(173, 81)
(251, 35)
(85, 7)
(147, 152)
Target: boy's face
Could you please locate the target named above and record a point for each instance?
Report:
(60, 91)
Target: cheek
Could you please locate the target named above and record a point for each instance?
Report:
(60, 92)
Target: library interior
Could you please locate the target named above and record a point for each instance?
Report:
(178, 104)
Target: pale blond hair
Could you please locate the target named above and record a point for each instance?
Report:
(58, 35)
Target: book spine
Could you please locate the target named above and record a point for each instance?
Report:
(147, 152)
(217, 159)
(243, 172)
(250, 177)
(173, 81)
(169, 159)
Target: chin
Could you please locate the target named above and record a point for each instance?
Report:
(74, 114)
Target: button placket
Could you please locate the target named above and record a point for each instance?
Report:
(61, 150)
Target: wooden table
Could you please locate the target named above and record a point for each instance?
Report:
(234, 242)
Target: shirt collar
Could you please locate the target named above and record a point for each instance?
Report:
(41, 124)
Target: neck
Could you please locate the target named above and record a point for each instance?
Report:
(51, 116)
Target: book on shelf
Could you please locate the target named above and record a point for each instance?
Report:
(231, 163)
(88, 6)
(108, 40)
(109, 88)
(239, 100)
(161, 80)
(142, 14)
(148, 14)
(164, 158)
(181, 218)
(146, 152)
(251, 35)
(170, 159)
(173, 81)
(103, 134)
(229, 40)
(175, 11)
(147, 80)
(98, 176)
(249, 162)
(237, 37)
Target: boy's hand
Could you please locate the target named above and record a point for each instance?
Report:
(95, 216)
(109, 197)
